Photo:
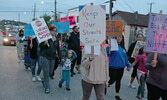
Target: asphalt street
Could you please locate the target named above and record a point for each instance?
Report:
(16, 84)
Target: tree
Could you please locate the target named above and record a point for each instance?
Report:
(47, 19)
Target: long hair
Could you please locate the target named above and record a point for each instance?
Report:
(141, 51)
(122, 44)
(20, 32)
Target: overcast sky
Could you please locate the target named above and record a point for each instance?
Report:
(63, 5)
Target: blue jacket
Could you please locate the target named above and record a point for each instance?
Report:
(118, 59)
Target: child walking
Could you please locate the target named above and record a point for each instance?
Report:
(66, 62)
(141, 72)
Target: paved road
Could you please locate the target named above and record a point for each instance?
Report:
(16, 84)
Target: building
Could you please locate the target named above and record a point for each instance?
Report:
(134, 23)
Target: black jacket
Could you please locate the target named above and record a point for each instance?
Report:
(33, 50)
(130, 51)
(74, 41)
(50, 52)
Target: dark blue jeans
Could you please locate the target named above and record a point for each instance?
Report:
(33, 66)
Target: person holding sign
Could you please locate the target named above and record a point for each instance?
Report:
(117, 62)
(157, 80)
(48, 53)
(35, 57)
(131, 60)
(95, 74)
(73, 41)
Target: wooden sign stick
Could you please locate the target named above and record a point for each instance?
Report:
(92, 47)
(155, 54)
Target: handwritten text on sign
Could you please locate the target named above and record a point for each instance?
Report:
(157, 34)
(114, 28)
(41, 30)
(92, 25)
(70, 19)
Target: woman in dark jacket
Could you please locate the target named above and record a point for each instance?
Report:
(48, 54)
(157, 79)
(35, 57)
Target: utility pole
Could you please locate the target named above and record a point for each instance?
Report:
(34, 11)
(150, 6)
(55, 17)
(19, 20)
(111, 6)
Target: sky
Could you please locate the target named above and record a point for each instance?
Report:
(9, 8)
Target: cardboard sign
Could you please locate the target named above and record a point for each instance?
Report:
(70, 19)
(92, 22)
(138, 45)
(157, 34)
(114, 28)
(41, 30)
(62, 27)
(28, 31)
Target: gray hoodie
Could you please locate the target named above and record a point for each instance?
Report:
(158, 75)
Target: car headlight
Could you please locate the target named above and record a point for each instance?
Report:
(6, 40)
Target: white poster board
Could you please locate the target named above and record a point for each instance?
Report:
(41, 30)
(138, 45)
(92, 22)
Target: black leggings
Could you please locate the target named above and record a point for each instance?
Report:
(116, 75)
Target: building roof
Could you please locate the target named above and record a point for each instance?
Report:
(130, 18)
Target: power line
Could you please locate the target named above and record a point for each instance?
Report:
(128, 5)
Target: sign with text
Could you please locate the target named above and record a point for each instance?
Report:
(92, 22)
(114, 28)
(41, 30)
(139, 44)
(28, 31)
(70, 19)
(157, 34)
(62, 27)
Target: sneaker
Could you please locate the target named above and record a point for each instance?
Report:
(131, 86)
(47, 90)
(60, 85)
(71, 74)
(138, 97)
(33, 79)
(117, 98)
(68, 89)
(38, 79)
(74, 73)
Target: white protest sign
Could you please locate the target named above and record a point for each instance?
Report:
(41, 30)
(114, 45)
(138, 45)
(92, 22)
(96, 48)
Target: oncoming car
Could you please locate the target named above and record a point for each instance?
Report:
(9, 39)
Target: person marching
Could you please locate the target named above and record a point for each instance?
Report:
(142, 72)
(117, 62)
(48, 53)
(131, 60)
(35, 57)
(66, 61)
